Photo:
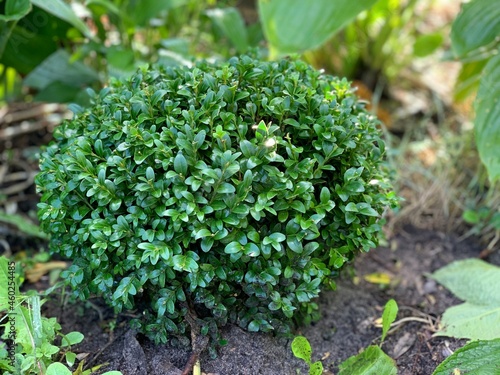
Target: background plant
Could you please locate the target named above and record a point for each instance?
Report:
(301, 349)
(230, 192)
(102, 38)
(371, 361)
(59, 48)
(36, 336)
(473, 281)
(475, 41)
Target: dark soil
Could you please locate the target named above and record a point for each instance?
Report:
(346, 327)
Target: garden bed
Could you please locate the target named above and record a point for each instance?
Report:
(348, 322)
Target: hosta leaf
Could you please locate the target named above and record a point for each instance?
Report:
(232, 25)
(477, 25)
(292, 26)
(487, 121)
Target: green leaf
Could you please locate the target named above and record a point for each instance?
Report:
(388, 317)
(470, 321)
(351, 207)
(471, 216)
(254, 326)
(72, 338)
(324, 196)
(475, 358)
(184, 263)
(299, 206)
(233, 247)
(372, 361)
(316, 368)
(476, 282)
(425, 45)
(468, 79)
(57, 369)
(487, 121)
(63, 11)
(294, 244)
(302, 349)
(366, 209)
(23, 224)
(58, 68)
(226, 188)
(277, 237)
(471, 280)
(15, 10)
(120, 58)
(150, 174)
(204, 232)
(292, 26)
(232, 25)
(70, 358)
(477, 25)
(142, 11)
(180, 164)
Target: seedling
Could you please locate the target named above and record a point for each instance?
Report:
(302, 350)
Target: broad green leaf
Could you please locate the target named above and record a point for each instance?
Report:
(15, 10)
(388, 316)
(72, 338)
(475, 358)
(427, 44)
(372, 361)
(477, 25)
(316, 368)
(475, 282)
(57, 369)
(120, 59)
(468, 79)
(58, 68)
(63, 11)
(471, 280)
(301, 348)
(142, 11)
(470, 321)
(22, 224)
(230, 22)
(292, 26)
(487, 121)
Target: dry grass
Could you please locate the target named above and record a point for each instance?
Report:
(439, 176)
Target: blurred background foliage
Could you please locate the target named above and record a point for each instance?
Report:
(419, 74)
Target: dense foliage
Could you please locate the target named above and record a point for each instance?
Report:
(227, 191)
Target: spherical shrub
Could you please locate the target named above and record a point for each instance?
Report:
(222, 192)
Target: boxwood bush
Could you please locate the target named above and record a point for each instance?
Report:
(222, 192)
